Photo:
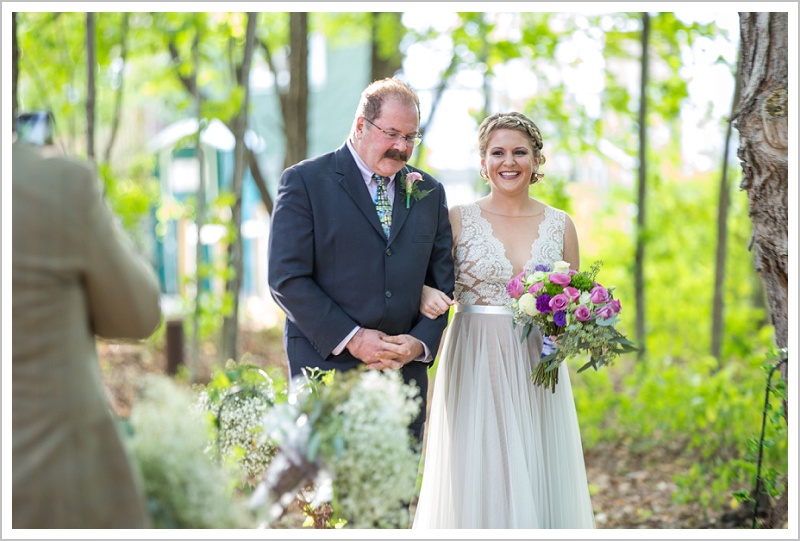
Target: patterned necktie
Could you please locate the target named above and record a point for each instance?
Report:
(382, 205)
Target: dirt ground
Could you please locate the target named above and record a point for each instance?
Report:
(629, 490)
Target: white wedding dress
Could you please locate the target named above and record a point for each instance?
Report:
(501, 452)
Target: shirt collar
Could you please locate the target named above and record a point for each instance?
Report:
(366, 172)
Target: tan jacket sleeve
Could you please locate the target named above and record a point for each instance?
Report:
(122, 287)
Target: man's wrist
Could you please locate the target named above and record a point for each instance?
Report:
(425, 356)
(346, 342)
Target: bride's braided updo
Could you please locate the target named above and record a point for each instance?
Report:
(512, 121)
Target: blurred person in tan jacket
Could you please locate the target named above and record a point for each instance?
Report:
(75, 275)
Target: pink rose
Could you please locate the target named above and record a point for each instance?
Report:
(560, 279)
(559, 302)
(572, 293)
(515, 287)
(535, 288)
(582, 313)
(605, 312)
(599, 294)
(616, 306)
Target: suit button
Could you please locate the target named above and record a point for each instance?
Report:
(388, 251)
(388, 293)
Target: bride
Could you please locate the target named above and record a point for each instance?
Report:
(501, 452)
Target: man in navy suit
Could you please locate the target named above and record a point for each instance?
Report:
(351, 293)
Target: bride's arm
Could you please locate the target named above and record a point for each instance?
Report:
(434, 303)
(572, 253)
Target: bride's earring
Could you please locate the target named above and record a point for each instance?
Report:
(536, 176)
(484, 173)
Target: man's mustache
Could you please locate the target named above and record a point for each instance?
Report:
(395, 154)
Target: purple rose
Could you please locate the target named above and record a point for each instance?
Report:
(560, 279)
(599, 294)
(542, 268)
(605, 312)
(560, 318)
(543, 303)
(582, 313)
(559, 302)
(515, 287)
(616, 306)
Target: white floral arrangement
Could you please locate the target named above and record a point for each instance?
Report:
(352, 427)
(184, 486)
(236, 400)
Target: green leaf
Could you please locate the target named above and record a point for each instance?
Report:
(314, 442)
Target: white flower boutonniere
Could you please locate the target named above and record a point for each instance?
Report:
(410, 182)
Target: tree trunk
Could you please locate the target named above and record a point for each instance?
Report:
(762, 121)
(14, 67)
(641, 223)
(384, 65)
(90, 91)
(295, 113)
(718, 307)
(230, 326)
(123, 43)
(255, 169)
(418, 158)
(260, 181)
(200, 217)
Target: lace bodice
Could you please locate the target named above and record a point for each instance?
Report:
(482, 268)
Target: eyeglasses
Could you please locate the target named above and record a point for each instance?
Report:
(393, 136)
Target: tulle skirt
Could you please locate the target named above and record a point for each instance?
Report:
(500, 452)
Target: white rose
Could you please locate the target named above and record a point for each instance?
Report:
(585, 297)
(527, 303)
(561, 267)
(537, 276)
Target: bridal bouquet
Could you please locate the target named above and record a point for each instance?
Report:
(572, 308)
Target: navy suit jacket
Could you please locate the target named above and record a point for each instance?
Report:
(331, 267)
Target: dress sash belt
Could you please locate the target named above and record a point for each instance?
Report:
(483, 309)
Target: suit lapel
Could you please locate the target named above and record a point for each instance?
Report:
(399, 210)
(352, 183)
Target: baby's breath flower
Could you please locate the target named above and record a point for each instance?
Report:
(347, 426)
(185, 487)
(238, 410)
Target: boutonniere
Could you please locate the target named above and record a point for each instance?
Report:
(410, 182)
